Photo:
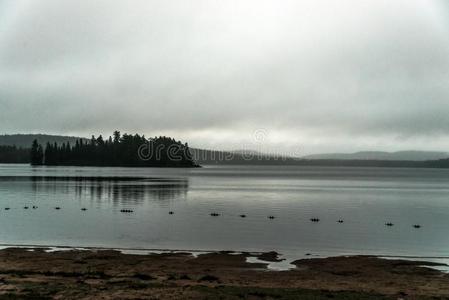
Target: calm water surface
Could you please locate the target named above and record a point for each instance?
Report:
(365, 198)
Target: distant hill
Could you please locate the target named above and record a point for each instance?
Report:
(208, 157)
(239, 157)
(25, 140)
(380, 155)
(252, 157)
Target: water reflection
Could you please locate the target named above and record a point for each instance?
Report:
(119, 190)
(293, 195)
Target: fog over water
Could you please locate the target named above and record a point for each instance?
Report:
(365, 199)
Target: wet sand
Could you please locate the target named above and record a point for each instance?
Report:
(108, 274)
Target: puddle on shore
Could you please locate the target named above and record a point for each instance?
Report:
(283, 265)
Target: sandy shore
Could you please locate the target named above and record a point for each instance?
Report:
(108, 274)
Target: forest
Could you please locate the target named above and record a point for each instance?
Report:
(123, 150)
(118, 150)
(13, 154)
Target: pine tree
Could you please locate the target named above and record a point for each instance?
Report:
(36, 154)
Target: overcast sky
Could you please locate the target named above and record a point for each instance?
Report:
(288, 76)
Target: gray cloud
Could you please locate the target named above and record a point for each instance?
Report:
(318, 75)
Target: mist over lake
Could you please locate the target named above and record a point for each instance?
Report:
(364, 198)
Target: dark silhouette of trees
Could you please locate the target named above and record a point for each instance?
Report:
(13, 154)
(37, 154)
(120, 150)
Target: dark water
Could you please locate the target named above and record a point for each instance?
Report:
(365, 198)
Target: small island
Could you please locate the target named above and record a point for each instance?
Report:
(117, 151)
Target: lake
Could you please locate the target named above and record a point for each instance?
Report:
(365, 198)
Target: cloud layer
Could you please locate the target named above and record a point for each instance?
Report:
(320, 76)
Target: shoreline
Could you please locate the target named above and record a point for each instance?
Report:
(314, 163)
(103, 273)
(137, 249)
(281, 262)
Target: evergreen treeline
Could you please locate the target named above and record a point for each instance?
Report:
(13, 154)
(119, 150)
(25, 140)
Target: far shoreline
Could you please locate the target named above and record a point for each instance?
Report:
(311, 165)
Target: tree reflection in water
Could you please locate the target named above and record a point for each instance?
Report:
(119, 190)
